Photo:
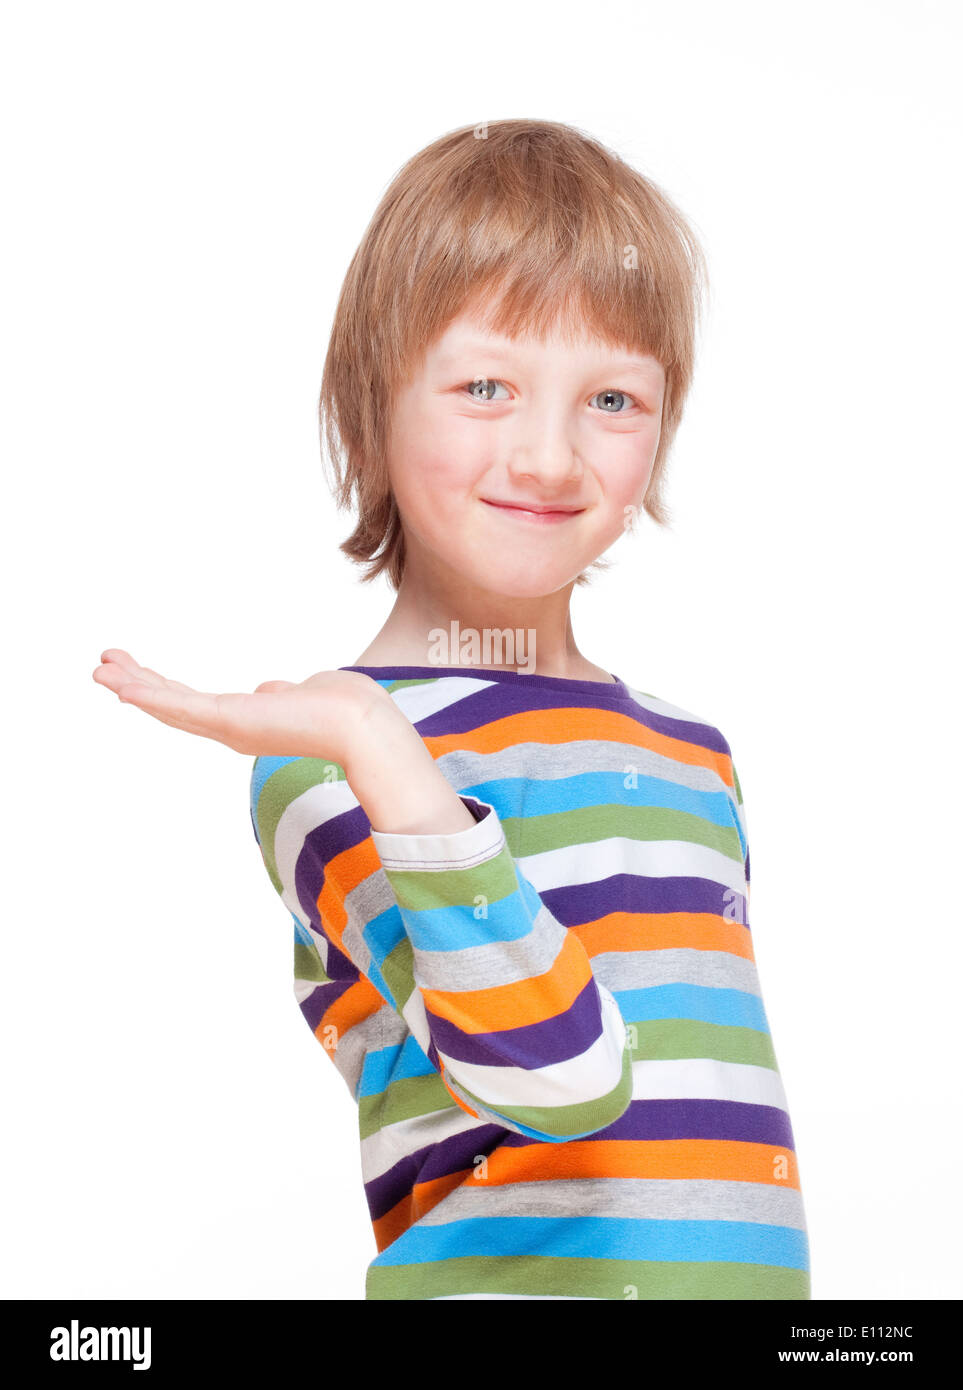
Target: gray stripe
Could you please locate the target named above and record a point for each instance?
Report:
(640, 969)
(549, 761)
(669, 1199)
(496, 962)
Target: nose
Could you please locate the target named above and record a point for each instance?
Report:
(546, 453)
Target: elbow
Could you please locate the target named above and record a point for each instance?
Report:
(583, 1118)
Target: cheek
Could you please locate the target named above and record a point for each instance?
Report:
(628, 471)
(436, 468)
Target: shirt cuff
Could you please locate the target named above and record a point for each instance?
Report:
(458, 850)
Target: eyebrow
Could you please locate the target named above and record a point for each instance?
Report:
(473, 348)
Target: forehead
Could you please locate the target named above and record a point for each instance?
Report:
(468, 334)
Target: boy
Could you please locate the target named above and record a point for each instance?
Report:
(519, 900)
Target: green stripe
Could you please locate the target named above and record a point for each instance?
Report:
(391, 686)
(398, 973)
(308, 964)
(280, 789)
(598, 1278)
(735, 783)
(421, 889)
(585, 824)
(672, 1039)
(405, 1099)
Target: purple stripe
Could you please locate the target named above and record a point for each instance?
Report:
(609, 690)
(452, 1155)
(340, 966)
(533, 1045)
(317, 1003)
(575, 904)
(699, 735)
(696, 1119)
(472, 712)
(499, 701)
(321, 845)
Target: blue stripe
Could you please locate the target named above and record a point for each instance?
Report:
(263, 769)
(703, 1002)
(383, 933)
(395, 1063)
(457, 928)
(302, 934)
(583, 1237)
(529, 796)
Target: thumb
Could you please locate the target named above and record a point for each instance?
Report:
(273, 687)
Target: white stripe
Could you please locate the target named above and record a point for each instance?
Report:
(305, 813)
(420, 701)
(302, 988)
(382, 1150)
(703, 1078)
(600, 859)
(657, 706)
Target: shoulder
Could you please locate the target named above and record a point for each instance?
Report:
(690, 727)
(277, 782)
(708, 746)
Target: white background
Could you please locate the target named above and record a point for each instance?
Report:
(185, 185)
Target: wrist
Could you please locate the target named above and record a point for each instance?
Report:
(378, 732)
(395, 778)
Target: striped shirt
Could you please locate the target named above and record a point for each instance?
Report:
(551, 1021)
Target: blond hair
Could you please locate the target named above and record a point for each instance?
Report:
(538, 227)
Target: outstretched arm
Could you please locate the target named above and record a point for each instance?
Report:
(342, 716)
(520, 1029)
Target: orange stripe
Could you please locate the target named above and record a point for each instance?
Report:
(735, 1160)
(531, 1000)
(342, 874)
(664, 931)
(724, 1159)
(567, 725)
(357, 1003)
(720, 1159)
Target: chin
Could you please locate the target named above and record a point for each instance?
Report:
(518, 580)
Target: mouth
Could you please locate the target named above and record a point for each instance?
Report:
(537, 514)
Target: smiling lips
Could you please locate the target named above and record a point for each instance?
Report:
(534, 512)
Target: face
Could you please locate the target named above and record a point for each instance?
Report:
(513, 461)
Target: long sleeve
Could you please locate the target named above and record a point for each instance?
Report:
(522, 1030)
(445, 929)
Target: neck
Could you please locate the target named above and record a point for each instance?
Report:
(462, 626)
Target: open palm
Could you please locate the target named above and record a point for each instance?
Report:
(281, 718)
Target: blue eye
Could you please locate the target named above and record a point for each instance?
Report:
(485, 382)
(618, 395)
(482, 388)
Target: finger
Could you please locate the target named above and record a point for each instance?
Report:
(119, 657)
(113, 677)
(126, 663)
(190, 710)
(157, 677)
